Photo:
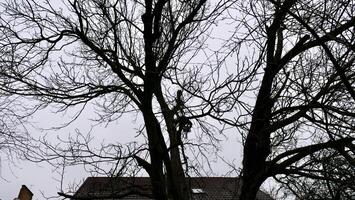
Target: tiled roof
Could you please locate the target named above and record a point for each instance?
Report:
(139, 188)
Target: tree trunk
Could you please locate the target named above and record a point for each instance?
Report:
(171, 185)
(177, 185)
(156, 159)
(254, 166)
(257, 144)
(252, 178)
(250, 187)
(176, 176)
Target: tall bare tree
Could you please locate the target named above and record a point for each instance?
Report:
(301, 71)
(126, 56)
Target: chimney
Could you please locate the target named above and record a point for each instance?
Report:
(25, 193)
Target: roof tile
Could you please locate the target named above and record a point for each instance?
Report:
(139, 188)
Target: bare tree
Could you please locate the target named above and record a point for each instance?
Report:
(124, 56)
(301, 72)
(333, 178)
(14, 137)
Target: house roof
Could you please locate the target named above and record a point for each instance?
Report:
(139, 188)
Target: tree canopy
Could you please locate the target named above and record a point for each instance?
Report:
(282, 77)
(125, 56)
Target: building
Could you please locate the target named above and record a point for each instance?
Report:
(139, 188)
(24, 194)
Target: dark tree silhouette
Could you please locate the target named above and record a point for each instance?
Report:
(291, 93)
(126, 56)
(303, 54)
